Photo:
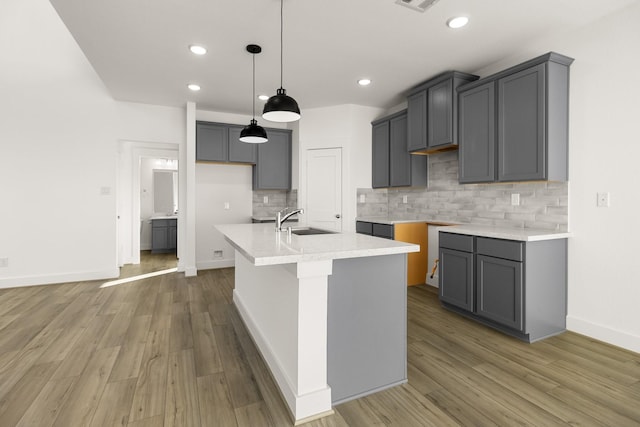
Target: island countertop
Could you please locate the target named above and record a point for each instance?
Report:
(261, 245)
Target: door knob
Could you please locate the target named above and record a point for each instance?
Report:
(338, 216)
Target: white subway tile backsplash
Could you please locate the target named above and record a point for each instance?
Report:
(542, 204)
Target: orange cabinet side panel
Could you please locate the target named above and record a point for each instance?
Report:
(415, 232)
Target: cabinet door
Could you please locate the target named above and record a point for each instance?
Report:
(521, 130)
(440, 114)
(477, 134)
(159, 239)
(380, 155)
(456, 278)
(383, 230)
(212, 141)
(363, 227)
(499, 287)
(172, 235)
(399, 157)
(273, 167)
(241, 152)
(417, 121)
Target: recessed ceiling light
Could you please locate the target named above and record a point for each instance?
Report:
(457, 22)
(364, 82)
(194, 87)
(263, 97)
(198, 50)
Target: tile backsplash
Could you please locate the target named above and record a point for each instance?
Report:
(277, 200)
(542, 204)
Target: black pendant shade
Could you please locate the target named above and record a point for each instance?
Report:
(281, 107)
(253, 133)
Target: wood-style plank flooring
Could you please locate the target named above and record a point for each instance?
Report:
(172, 351)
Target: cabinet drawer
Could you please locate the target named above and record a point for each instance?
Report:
(364, 227)
(383, 230)
(505, 249)
(458, 242)
(160, 222)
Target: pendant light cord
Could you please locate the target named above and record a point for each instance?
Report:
(253, 98)
(281, 37)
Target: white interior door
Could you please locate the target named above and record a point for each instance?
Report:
(324, 188)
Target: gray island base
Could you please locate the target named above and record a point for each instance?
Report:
(327, 312)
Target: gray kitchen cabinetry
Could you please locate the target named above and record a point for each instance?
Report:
(432, 113)
(477, 151)
(273, 166)
(529, 109)
(392, 164)
(375, 229)
(164, 235)
(219, 142)
(519, 288)
(456, 270)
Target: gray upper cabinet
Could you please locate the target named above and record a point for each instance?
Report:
(392, 164)
(380, 155)
(531, 111)
(432, 113)
(241, 152)
(273, 166)
(477, 152)
(212, 142)
(416, 124)
(220, 142)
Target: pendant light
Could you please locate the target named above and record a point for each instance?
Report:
(281, 107)
(253, 133)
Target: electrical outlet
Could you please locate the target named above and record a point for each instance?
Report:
(105, 191)
(227, 206)
(217, 253)
(515, 199)
(265, 199)
(603, 200)
(362, 198)
(4, 262)
(405, 199)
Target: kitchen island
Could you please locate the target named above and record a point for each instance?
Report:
(327, 312)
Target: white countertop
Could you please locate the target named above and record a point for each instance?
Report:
(164, 217)
(391, 220)
(261, 245)
(521, 234)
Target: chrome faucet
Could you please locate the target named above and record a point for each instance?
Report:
(280, 219)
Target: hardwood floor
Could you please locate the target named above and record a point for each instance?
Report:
(172, 351)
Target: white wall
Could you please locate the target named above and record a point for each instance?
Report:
(604, 285)
(347, 127)
(58, 151)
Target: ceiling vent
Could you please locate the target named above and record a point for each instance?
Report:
(419, 5)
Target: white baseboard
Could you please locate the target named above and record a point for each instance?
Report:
(208, 265)
(51, 279)
(604, 333)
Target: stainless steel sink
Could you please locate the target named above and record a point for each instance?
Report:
(307, 231)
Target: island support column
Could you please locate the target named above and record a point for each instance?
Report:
(285, 309)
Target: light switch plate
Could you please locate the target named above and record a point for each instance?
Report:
(227, 206)
(603, 200)
(4, 262)
(405, 199)
(362, 198)
(265, 199)
(515, 199)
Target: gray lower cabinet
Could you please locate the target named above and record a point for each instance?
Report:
(273, 166)
(164, 235)
(519, 288)
(432, 112)
(386, 231)
(513, 125)
(456, 270)
(392, 164)
(219, 142)
(366, 326)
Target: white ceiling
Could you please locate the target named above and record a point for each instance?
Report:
(140, 47)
